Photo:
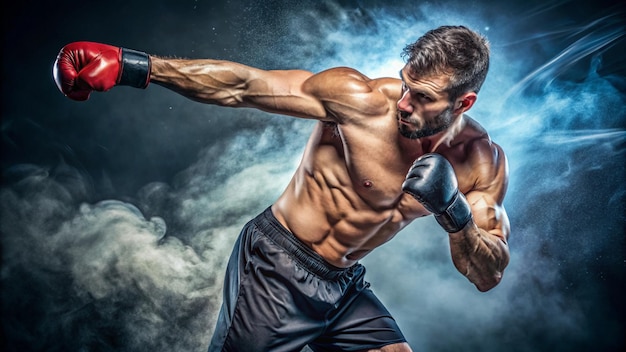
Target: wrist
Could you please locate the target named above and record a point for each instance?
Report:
(135, 68)
(456, 215)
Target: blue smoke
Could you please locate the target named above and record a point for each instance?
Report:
(561, 123)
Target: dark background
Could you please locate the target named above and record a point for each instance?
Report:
(117, 214)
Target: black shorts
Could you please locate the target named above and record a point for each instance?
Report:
(279, 295)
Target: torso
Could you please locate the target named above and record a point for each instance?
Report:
(345, 198)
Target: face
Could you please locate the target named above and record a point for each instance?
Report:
(424, 108)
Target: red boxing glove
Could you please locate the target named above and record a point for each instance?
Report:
(83, 67)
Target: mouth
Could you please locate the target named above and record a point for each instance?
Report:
(403, 118)
(404, 122)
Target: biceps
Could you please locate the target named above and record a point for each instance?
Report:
(281, 92)
(488, 214)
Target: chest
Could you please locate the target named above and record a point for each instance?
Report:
(373, 162)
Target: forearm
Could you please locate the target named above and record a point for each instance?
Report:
(479, 255)
(206, 81)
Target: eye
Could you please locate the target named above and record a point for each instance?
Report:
(404, 87)
(424, 97)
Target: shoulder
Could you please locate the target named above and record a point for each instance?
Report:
(479, 145)
(348, 94)
(484, 161)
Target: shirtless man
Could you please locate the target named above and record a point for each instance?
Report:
(384, 152)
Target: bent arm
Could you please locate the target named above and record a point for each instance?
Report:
(235, 85)
(480, 250)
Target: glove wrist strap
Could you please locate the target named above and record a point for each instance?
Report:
(135, 70)
(456, 216)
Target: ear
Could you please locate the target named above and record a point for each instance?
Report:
(464, 102)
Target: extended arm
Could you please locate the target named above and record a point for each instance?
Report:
(231, 84)
(334, 95)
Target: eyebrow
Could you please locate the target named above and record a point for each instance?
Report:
(429, 92)
(408, 88)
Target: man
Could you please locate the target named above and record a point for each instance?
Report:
(384, 152)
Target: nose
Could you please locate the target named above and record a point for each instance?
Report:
(404, 104)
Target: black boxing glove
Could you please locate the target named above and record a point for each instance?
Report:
(431, 180)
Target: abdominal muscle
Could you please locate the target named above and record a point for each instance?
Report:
(334, 221)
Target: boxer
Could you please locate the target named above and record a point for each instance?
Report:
(384, 152)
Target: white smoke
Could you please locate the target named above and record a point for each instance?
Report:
(149, 288)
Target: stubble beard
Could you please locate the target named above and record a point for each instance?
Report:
(441, 122)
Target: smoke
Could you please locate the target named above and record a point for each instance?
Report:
(107, 277)
(144, 272)
(561, 123)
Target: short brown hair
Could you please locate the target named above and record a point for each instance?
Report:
(454, 50)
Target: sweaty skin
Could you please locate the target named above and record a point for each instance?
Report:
(345, 198)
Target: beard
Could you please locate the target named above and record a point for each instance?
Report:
(440, 123)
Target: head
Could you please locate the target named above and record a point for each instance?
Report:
(443, 74)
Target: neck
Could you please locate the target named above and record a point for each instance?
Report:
(414, 148)
(446, 136)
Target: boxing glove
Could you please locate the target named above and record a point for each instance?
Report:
(83, 67)
(431, 180)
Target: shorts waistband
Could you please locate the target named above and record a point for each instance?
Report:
(304, 255)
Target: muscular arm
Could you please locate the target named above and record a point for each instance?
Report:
(339, 94)
(292, 92)
(480, 250)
